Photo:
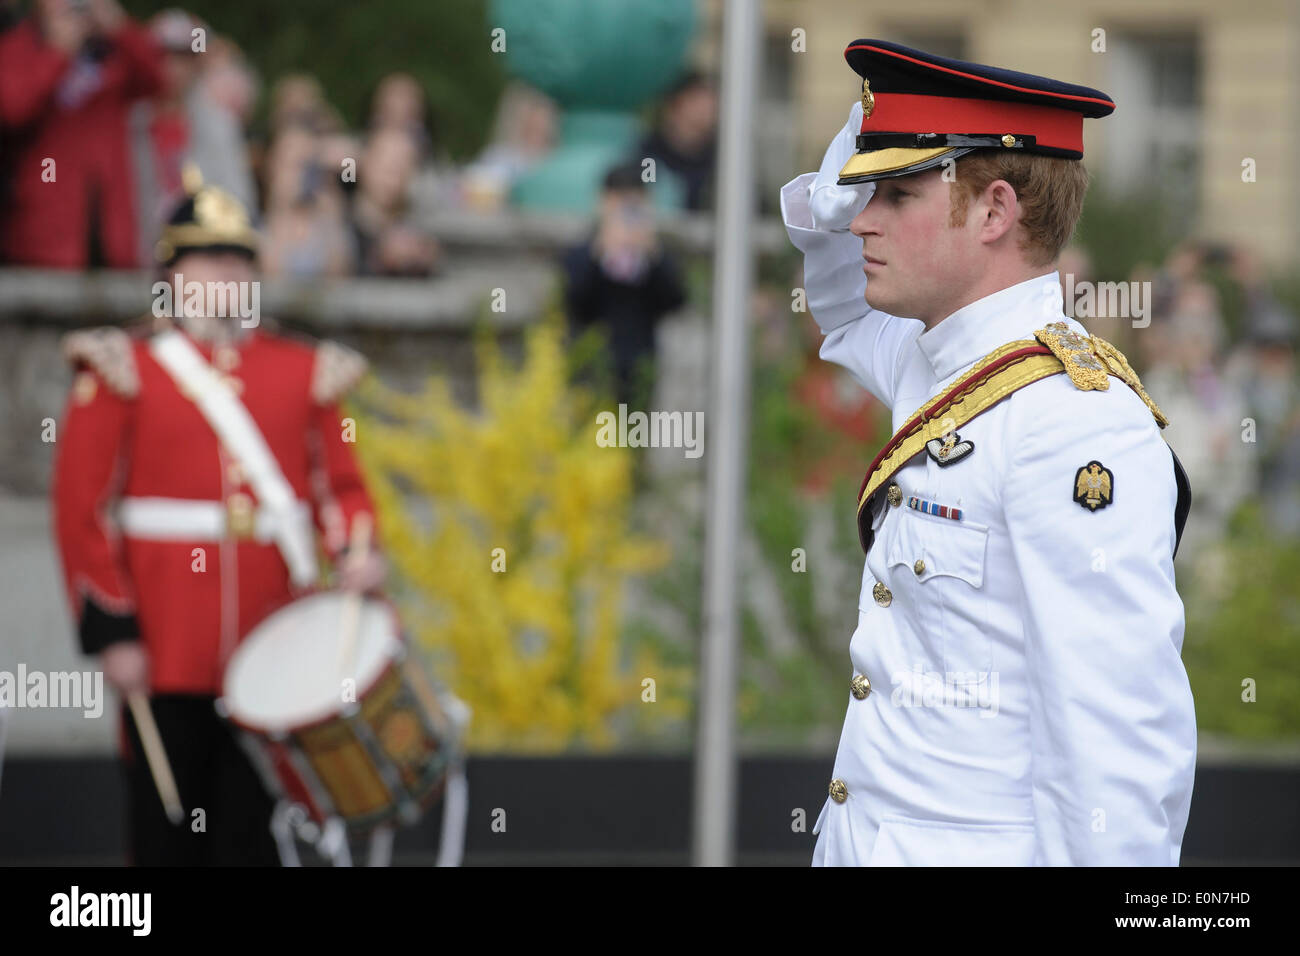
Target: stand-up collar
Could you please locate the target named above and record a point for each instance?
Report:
(973, 331)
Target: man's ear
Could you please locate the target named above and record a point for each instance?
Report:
(1000, 208)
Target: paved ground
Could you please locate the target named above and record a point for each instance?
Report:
(36, 630)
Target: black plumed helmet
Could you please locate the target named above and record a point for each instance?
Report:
(208, 219)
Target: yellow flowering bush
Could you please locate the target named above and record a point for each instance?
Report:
(507, 528)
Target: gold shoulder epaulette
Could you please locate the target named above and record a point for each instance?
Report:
(1076, 354)
(107, 350)
(336, 371)
(1091, 360)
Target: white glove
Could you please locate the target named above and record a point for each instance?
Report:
(834, 207)
(817, 215)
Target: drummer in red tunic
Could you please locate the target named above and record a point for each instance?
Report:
(176, 542)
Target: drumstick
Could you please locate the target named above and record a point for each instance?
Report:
(156, 756)
(350, 618)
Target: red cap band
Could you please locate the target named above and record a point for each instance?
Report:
(916, 113)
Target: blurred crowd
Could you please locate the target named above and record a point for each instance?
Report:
(121, 114)
(1229, 389)
(1219, 358)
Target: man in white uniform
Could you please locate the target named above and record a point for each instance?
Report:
(1017, 694)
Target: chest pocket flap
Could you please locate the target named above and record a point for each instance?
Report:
(937, 568)
(947, 548)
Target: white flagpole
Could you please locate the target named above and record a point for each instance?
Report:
(715, 751)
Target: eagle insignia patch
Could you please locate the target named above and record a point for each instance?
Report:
(1094, 486)
(949, 449)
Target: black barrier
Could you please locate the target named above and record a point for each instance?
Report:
(612, 810)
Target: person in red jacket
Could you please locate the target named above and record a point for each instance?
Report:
(171, 549)
(67, 76)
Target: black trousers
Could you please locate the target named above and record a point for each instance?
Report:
(213, 774)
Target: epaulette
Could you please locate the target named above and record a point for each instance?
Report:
(336, 372)
(107, 350)
(1091, 360)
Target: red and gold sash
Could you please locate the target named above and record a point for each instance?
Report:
(1089, 361)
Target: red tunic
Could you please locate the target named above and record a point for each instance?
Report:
(47, 223)
(156, 444)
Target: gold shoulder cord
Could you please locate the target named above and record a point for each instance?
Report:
(1089, 361)
(1114, 358)
(947, 413)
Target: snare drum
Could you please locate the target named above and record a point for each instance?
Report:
(354, 731)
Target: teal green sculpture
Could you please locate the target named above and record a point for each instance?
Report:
(601, 61)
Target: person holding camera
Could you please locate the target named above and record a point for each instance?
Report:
(68, 73)
(622, 281)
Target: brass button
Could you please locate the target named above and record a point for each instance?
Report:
(1008, 140)
(839, 792)
(894, 494)
(241, 516)
(882, 595)
(860, 686)
(919, 567)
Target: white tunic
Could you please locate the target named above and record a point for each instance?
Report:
(1028, 702)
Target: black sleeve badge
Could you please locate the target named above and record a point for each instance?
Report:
(1094, 486)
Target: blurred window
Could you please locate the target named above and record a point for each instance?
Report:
(776, 120)
(1153, 139)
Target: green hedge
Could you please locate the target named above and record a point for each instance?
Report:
(350, 46)
(1243, 625)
